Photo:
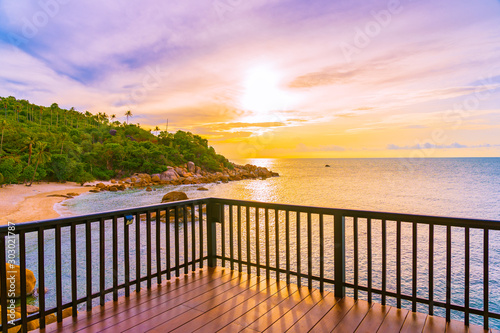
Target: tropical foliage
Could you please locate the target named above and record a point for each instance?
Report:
(54, 144)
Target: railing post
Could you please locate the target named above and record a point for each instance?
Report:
(213, 216)
(339, 254)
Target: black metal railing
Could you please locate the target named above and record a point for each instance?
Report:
(436, 265)
(396, 259)
(106, 256)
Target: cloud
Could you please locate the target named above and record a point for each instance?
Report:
(323, 78)
(302, 148)
(100, 56)
(428, 145)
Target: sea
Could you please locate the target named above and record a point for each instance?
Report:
(454, 187)
(451, 187)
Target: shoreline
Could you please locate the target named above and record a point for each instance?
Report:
(20, 203)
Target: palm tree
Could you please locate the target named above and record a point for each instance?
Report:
(113, 117)
(128, 114)
(30, 142)
(41, 111)
(54, 106)
(72, 112)
(3, 124)
(42, 156)
(62, 138)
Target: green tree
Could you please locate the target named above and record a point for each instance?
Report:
(11, 169)
(30, 141)
(27, 173)
(3, 125)
(128, 114)
(63, 137)
(42, 156)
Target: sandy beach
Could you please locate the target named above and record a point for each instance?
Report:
(20, 203)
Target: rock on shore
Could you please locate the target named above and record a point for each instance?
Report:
(185, 175)
(174, 196)
(15, 272)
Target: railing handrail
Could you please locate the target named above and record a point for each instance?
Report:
(380, 215)
(216, 219)
(426, 219)
(81, 219)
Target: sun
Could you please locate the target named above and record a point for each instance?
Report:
(262, 92)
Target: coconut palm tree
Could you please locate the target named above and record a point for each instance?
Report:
(30, 142)
(4, 104)
(128, 114)
(3, 125)
(63, 137)
(53, 107)
(42, 156)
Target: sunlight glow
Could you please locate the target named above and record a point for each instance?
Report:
(262, 92)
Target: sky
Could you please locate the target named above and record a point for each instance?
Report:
(270, 78)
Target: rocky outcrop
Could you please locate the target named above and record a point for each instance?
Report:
(169, 175)
(185, 175)
(191, 167)
(14, 278)
(174, 196)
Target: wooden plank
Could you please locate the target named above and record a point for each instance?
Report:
(308, 321)
(232, 328)
(334, 316)
(266, 306)
(373, 318)
(435, 324)
(222, 300)
(137, 314)
(155, 317)
(297, 312)
(456, 326)
(414, 322)
(222, 315)
(209, 296)
(172, 313)
(277, 312)
(354, 317)
(110, 309)
(248, 304)
(394, 320)
(188, 323)
(477, 329)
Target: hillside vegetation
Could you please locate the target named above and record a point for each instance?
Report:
(54, 144)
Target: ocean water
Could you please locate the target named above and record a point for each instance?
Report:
(468, 187)
(456, 187)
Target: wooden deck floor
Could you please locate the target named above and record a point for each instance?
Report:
(221, 300)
